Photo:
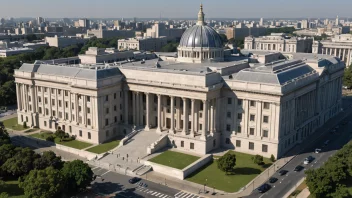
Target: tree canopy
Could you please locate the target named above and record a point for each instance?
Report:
(47, 159)
(4, 136)
(347, 77)
(170, 47)
(227, 162)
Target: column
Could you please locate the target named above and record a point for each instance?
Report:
(343, 54)
(141, 108)
(340, 53)
(126, 106)
(192, 117)
(185, 117)
(159, 114)
(211, 119)
(178, 114)
(172, 102)
(19, 97)
(134, 108)
(348, 58)
(205, 120)
(138, 109)
(335, 52)
(147, 109)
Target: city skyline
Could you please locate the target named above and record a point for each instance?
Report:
(179, 9)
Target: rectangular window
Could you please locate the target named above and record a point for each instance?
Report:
(66, 104)
(265, 133)
(252, 117)
(238, 143)
(29, 98)
(80, 133)
(228, 127)
(252, 103)
(88, 98)
(114, 95)
(79, 108)
(46, 100)
(54, 113)
(182, 143)
(53, 102)
(88, 122)
(229, 114)
(60, 103)
(239, 116)
(52, 91)
(239, 129)
(66, 116)
(73, 106)
(251, 146)
(39, 89)
(88, 110)
(115, 108)
(266, 119)
(106, 122)
(66, 93)
(264, 148)
(59, 91)
(239, 102)
(40, 110)
(39, 99)
(115, 118)
(106, 98)
(266, 105)
(229, 100)
(191, 145)
(45, 89)
(251, 131)
(70, 129)
(60, 114)
(107, 110)
(46, 111)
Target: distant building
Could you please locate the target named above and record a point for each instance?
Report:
(7, 44)
(14, 51)
(261, 22)
(103, 33)
(240, 32)
(144, 44)
(83, 23)
(305, 24)
(64, 41)
(279, 42)
(35, 45)
(101, 55)
(159, 30)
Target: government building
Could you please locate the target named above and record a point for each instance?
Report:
(204, 97)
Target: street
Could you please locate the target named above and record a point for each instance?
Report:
(336, 141)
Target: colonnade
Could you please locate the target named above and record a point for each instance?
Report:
(343, 53)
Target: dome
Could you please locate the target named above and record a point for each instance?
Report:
(201, 36)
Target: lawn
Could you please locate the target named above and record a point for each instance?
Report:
(245, 171)
(72, 143)
(105, 147)
(31, 130)
(12, 189)
(12, 123)
(174, 159)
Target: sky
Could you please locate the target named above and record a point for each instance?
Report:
(176, 8)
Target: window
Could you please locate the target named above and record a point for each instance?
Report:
(228, 127)
(45, 123)
(70, 129)
(239, 116)
(227, 141)
(182, 143)
(107, 110)
(229, 100)
(251, 131)
(252, 117)
(53, 102)
(264, 148)
(89, 135)
(251, 146)
(73, 117)
(46, 111)
(30, 107)
(115, 118)
(239, 102)
(73, 106)
(115, 108)
(60, 104)
(66, 93)
(52, 91)
(46, 100)
(66, 116)
(107, 133)
(265, 133)
(80, 133)
(238, 143)
(114, 95)
(252, 103)
(79, 108)
(88, 98)
(266, 105)
(266, 119)
(106, 122)
(88, 122)
(59, 91)
(60, 114)
(54, 113)
(239, 129)
(191, 146)
(106, 98)
(40, 110)
(45, 89)
(39, 89)
(29, 98)
(39, 99)
(229, 114)
(66, 104)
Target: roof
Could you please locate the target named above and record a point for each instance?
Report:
(201, 36)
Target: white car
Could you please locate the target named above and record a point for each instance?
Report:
(317, 150)
(308, 160)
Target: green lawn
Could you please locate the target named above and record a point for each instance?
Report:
(72, 143)
(12, 123)
(174, 159)
(245, 171)
(12, 189)
(31, 130)
(105, 147)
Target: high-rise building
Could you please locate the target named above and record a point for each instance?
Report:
(261, 22)
(337, 22)
(84, 23)
(305, 24)
(40, 20)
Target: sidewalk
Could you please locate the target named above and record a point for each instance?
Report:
(304, 194)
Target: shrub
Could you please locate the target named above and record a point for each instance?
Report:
(272, 158)
(67, 135)
(24, 124)
(227, 163)
(73, 137)
(258, 159)
(50, 138)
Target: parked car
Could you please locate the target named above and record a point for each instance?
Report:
(308, 160)
(317, 150)
(298, 168)
(272, 179)
(283, 172)
(263, 188)
(134, 180)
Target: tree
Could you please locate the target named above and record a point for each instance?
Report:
(318, 183)
(21, 163)
(7, 151)
(340, 192)
(237, 42)
(258, 159)
(227, 162)
(24, 124)
(42, 183)
(47, 159)
(60, 134)
(4, 136)
(272, 158)
(347, 77)
(170, 47)
(78, 175)
(223, 38)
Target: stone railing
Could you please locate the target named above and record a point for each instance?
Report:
(157, 145)
(128, 137)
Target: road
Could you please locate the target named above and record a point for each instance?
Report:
(337, 140)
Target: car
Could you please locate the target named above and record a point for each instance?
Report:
(298, 168)
(282, 172)
(263, 188)
(272, 179)
(308, 160)
(317, 150)
(134, 180)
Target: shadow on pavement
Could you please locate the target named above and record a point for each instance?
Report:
(106, 188)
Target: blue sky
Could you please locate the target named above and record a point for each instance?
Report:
(176, 8)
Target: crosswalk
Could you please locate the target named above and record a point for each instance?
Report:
(152, 193)
(183, 194)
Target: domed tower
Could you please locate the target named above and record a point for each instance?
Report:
(200, 43)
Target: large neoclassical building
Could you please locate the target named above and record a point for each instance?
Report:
(203, 98)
